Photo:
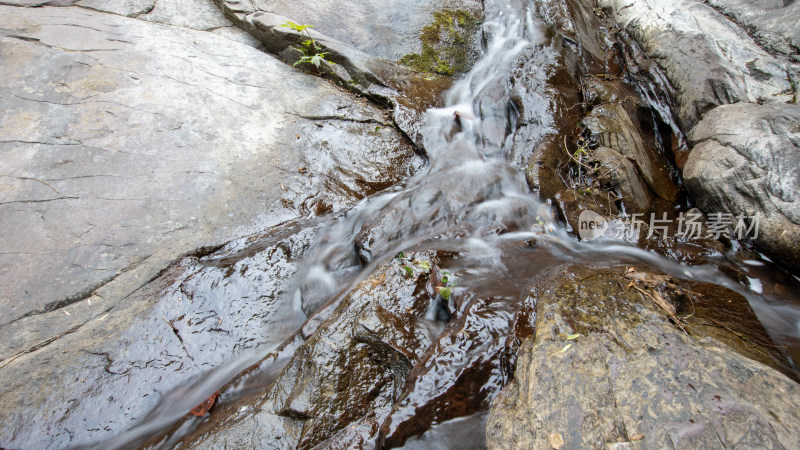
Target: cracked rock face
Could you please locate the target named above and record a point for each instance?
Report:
(196, 14)
(746, 161)
(128, 144)
(709, 59)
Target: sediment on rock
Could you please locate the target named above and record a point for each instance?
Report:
(611, 364)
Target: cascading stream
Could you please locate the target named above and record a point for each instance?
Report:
(469, 199)
(468, 190)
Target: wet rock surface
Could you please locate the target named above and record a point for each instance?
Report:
(153, 354)
(770, 22)
(709, 60)
(181, 124)
(127, 146)
(607, 367)
(357, 362)
(599, 146)
(387, 30)
(382, 365)
(745, 163)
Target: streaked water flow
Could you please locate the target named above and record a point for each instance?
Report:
(468, 199)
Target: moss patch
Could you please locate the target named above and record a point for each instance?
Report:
(446, 42)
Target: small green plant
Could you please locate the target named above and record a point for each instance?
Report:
(448, 282)
(312, 55)
(446, 278)
(297, 27)
(409, 271)
(424, 265)
(317, 59)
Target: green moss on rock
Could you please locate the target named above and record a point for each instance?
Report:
(445, 44)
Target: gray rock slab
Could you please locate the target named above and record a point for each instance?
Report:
(773, 22)
(708, 59)
(126, 145)
(129, 8)
(633, 380)
(746, 161)
(196, 14)
(384, 29)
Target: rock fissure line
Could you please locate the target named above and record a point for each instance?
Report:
(752, 31)
(42, 345)
(342, 119)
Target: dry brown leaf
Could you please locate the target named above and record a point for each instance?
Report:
(203, 408)
(556, 441)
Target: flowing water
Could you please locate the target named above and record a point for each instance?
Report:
(472, 201)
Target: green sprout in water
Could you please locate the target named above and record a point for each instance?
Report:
(448, 282)
(424, 265)
(447, 278)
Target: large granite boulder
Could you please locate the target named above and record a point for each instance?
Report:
(609, 369)
(708, 59)
(126, 145)
(746, 162)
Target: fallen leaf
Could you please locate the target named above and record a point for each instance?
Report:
(572, 337)
(377, 281)
(664, 305)
(203, 408)
(566, 347)
(638, 437)
(556, 441)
